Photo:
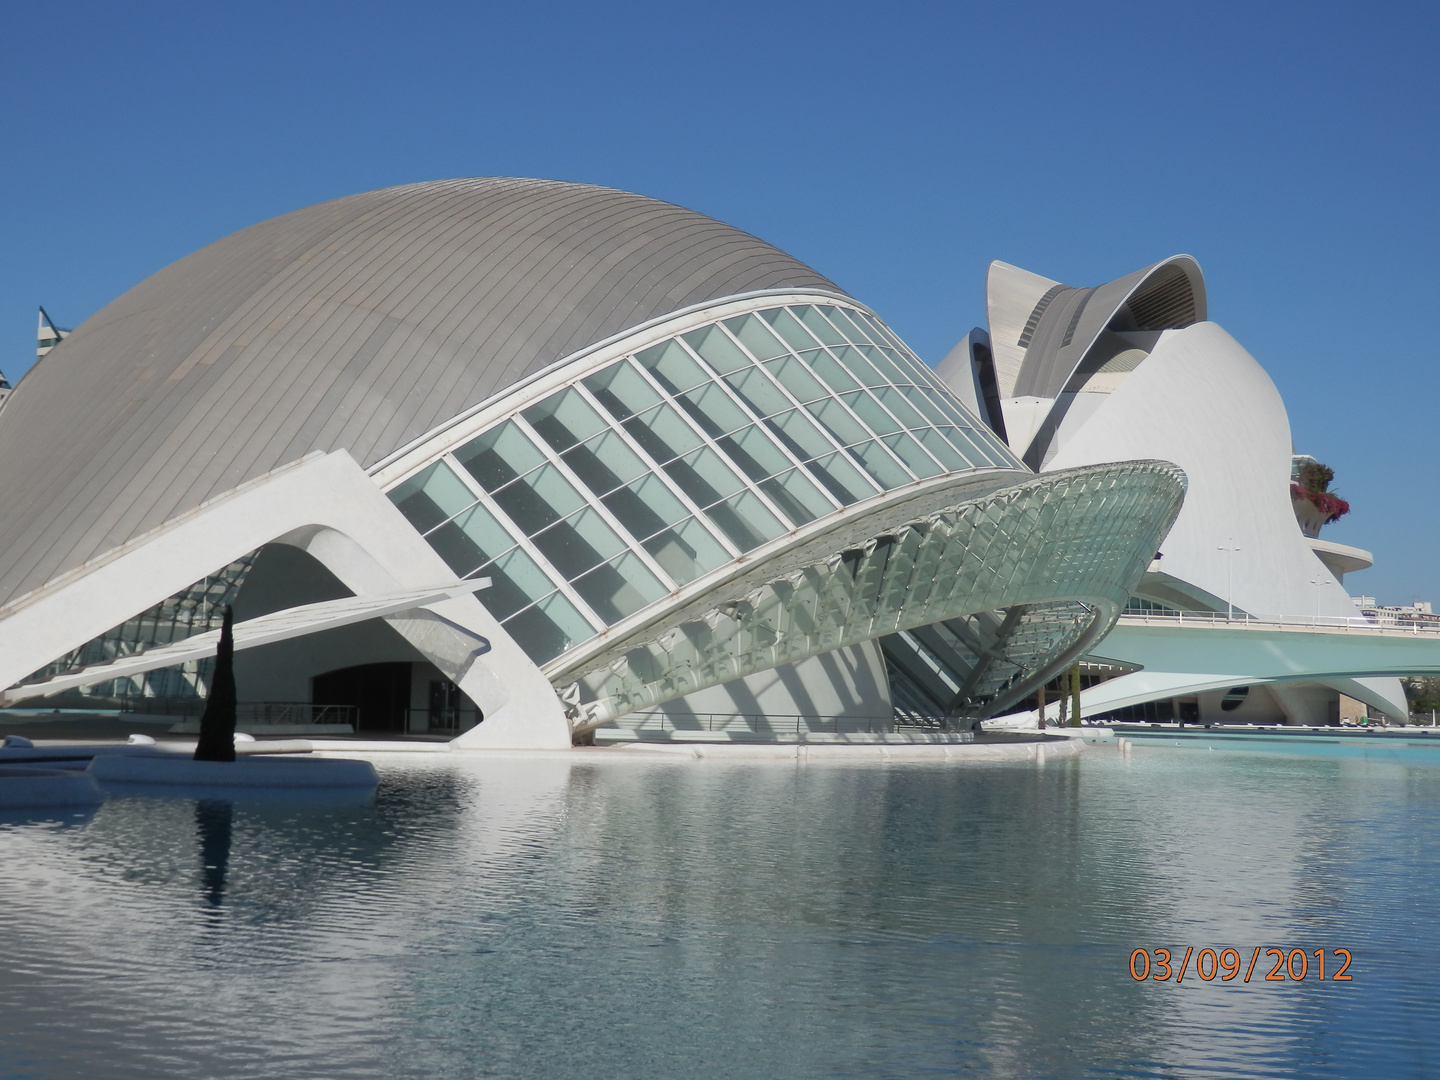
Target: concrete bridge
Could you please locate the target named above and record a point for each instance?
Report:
(1191, 653)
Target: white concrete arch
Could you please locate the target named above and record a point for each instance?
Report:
(326, 506)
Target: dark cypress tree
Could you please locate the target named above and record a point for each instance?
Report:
(217, 723)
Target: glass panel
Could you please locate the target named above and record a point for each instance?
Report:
(799, 434)
(910, 452)
(978, 453)
(460, 552)
(914, 368)
(838, 422)
(663, 434)
(717, 349)
(869, 410)
(825, 365)
(714, 410)
(947, 404)
(923, 400)
(592, 470)
(756, 516)
(672, 366)
(499, 456)
(645, 507)
(847, 326)
(611, 453)
(542, 497)
(841, 479)
(879, 332)
(710, 474)
(564, 419)
(884, 362)
(621, 390)
(816, 324)
(757, 391)
(620, 589)
(515, 582)
(880, 465)
(941, 449)
(790, 331)
(756, 336)
(755, 452)
(482, 527)
(899, 408)
(578, 543)
(432, 496)
(795, 376)
(855, 363)
(549, 628)
(796, 496)
(686, 551)
(470, 539)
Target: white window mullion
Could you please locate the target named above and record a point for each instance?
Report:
(923, 371)
(595, 503)
(688, 420)
(759, 421)
(876, 398)
(657, 470)
(835, 397)
(525, 544)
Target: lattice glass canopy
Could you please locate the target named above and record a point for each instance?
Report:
(1007, 586)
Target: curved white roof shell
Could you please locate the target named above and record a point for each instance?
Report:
(1042, 333)
(1234, 444)
(359, 323)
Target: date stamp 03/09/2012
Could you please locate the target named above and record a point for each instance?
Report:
(1225, 965)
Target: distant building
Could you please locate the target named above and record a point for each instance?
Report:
(47, 336)
(1134, 369)
(1415, 614)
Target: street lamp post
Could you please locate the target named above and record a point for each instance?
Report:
(1319, 584)
(1230, 549)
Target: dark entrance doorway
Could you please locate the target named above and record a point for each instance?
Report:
(380, 694)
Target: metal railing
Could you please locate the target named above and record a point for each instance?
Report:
(253, 713)
(1244, 619)
(798, 725)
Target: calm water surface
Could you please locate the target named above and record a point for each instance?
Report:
(553, 918)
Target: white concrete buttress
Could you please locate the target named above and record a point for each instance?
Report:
(326, 505)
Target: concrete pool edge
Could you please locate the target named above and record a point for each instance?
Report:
(878, 753)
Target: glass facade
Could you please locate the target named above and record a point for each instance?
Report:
(612, 493)
(191, 611)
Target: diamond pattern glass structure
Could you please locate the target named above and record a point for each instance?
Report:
(1008, 584)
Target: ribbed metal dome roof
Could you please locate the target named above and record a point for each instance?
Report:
(358, 324)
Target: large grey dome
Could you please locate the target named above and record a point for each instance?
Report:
(358, 324)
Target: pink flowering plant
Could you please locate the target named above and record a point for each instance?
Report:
(1314, 487)
(1332, 506)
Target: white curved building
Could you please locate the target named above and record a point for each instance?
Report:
(1132, 369)
(573, 453)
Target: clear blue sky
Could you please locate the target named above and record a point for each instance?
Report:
(1291, 147)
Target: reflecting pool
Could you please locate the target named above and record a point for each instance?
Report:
(597, 916)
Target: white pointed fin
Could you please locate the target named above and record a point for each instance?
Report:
(1010, 296)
